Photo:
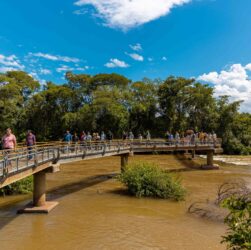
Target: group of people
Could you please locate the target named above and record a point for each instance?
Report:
(87, 137)
(9, 141)
(130, 136)
(191, 137)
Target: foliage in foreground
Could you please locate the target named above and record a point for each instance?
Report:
(238, 222)
(24, 186)
(148, 180)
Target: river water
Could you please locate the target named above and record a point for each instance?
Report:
(95, 213)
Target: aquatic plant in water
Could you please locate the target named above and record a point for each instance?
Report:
(145, 179)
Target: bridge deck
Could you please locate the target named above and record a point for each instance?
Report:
(16, 165)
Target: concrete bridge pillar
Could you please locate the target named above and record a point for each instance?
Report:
(210, 158)
(193, 154)
(39, 189)
(124, 161)
(39, 204)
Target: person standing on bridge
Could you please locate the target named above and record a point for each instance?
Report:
(9, 144)
(109, 136)
(30, 143)
(75, 138)
(131, 136)
(67, 139)
(9, 141)
(140, 137)
(102, 136)
(148, 135)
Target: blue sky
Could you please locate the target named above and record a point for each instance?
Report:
(206, 39)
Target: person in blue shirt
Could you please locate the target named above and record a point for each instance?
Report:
(67, 140)
(67, 137)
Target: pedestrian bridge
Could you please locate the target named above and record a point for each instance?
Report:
(46, 158)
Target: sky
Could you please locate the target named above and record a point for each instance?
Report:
(205, 39)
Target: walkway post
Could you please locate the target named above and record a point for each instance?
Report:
(124, 161)
(210, 158)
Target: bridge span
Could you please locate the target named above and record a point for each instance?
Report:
(46, 158)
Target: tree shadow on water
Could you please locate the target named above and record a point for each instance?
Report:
(69, 188)
(188, 164)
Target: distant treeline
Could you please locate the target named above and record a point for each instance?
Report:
(112, 102)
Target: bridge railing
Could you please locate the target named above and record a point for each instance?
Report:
(23, 158)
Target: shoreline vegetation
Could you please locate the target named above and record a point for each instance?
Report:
(24, 186)
(112, 102)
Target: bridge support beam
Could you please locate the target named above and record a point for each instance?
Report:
(39, 204)
(123, 161)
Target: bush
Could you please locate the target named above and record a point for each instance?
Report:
(24, 186)
(147, 179)
(238, 222)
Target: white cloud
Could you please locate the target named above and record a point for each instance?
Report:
(34, 74)
(45, 71)
(4, 69)
(233, 82)
(164, 58)
(136, 57)
(82, 68)
(126, 14)
(136, 47)
(55, 57)
(115, 63)
(8, 63)
(64, 68)
(67, 68)
(150, 59)
(248, 67)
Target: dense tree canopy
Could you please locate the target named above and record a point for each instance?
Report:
(112, 102)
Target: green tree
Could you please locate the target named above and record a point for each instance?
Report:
(143, 106)
(14, 97)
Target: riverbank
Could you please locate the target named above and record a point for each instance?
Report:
(94, 212)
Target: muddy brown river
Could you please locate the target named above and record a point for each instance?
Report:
(95, 213)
